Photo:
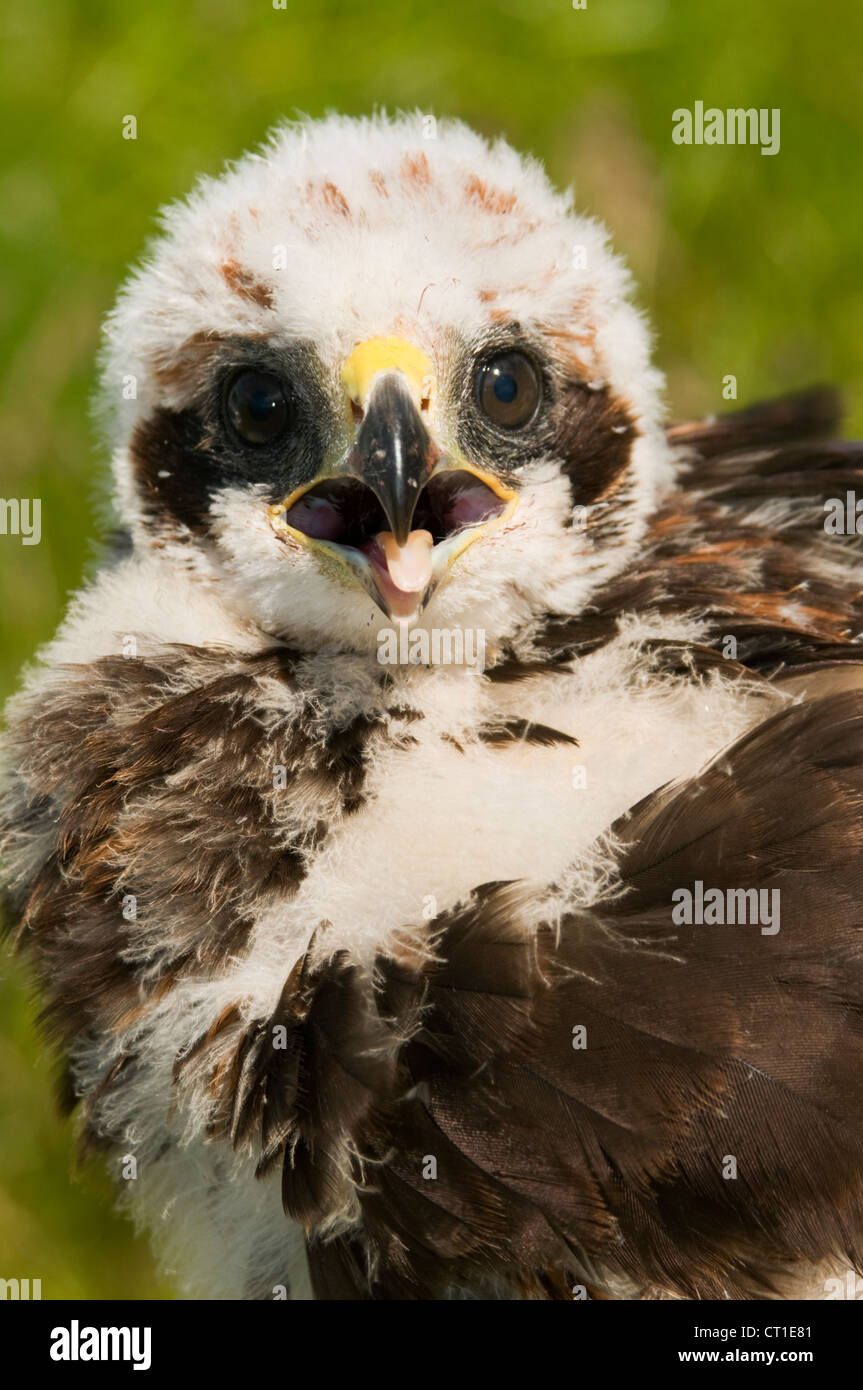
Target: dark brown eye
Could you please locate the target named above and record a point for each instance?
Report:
(508, 389)
(257, 407)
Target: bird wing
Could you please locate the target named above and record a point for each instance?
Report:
(740, 544)
(700, 1137)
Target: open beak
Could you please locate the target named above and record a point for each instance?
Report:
(394, 454)
(396, 510)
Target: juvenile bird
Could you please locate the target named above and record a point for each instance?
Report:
(437, 825)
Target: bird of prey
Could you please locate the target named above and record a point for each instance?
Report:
(436, 826)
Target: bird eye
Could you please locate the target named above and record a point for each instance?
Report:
(508, 389)
(257, 407)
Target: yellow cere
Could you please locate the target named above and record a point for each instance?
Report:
(378, 355)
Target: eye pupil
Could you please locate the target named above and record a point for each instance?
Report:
(257, 407)
(508, 390)
(261, 405)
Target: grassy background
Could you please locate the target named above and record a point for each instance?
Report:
(750, 265)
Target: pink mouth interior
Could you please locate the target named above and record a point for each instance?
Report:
(346, 513)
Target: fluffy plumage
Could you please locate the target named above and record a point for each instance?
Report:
(305, 921)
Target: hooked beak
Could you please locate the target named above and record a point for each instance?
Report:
(396, 510)
(394, 454)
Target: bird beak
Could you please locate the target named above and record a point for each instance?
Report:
(397, 510)
(394, 454)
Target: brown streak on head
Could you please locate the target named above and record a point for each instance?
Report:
(492, 200)
(182, 368)
(415, 170)
(572, 344)
(335, 200)
(242, 282)
(378, 183)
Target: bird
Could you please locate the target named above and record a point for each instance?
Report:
(435, 828)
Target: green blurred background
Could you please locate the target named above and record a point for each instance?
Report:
(749, 264)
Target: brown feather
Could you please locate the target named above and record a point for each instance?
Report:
(606, 1163)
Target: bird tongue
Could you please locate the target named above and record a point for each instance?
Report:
(410, 565)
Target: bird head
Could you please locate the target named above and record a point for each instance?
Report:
(378, 374)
